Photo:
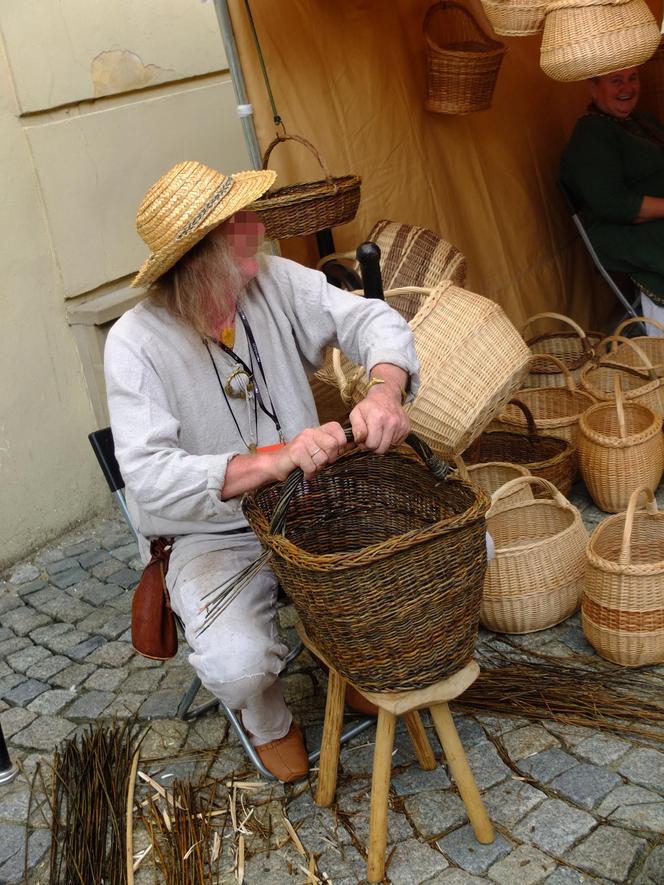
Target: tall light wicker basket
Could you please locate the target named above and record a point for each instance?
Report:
(651, 345)
(622, 609)
(572, 346)
(516, 18)
(639, 382)
(621, 448)
(535, 579)
(472, 361)
(588, 38)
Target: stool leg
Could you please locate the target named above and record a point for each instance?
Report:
(329, 748)
(463, 776)
(420, 741)
(380, 786)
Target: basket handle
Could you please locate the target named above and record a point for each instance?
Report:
(646, 321)
(307, 144)
(547, 357)
(615, 339)
(620, 405)
(436, 466)
(513, 484)
(651, 507)
(532, 427)
(462, 470)
(585, 344)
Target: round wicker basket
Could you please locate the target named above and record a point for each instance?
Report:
(491, 475)
(573, 347)
(535, 579)
(651, 345)
(639, 383)
(516, 18)
(622, 609)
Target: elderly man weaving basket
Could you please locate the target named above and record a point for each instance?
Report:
(209, 398)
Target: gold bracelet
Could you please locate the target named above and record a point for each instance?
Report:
(404, 395)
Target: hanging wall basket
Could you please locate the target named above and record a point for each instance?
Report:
(516, 18)
(301, 209)
(589, 38)
(462, 61)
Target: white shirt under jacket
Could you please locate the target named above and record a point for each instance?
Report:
(174, 436)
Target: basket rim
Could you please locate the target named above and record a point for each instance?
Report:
(617, 442)
(561, 421)
(567, 450)
(528, 549)
(611, 567)
(305, 192)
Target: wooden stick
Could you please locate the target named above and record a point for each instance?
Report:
(380, 786)
(329, 749)
(129, 821)
(420, 740)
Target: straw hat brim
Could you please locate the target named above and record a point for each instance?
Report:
(246, 187)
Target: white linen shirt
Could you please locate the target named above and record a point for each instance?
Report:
(173, 433)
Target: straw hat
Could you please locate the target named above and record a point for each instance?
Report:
(187, 203)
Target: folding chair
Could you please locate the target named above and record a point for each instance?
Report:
(574, 206)
(103, 446)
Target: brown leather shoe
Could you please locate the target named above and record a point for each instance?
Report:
(286, 758)
(358, 703)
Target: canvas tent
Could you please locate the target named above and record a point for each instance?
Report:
(349, 75)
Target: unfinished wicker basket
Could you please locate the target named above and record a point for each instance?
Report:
(492, 475)
(548, 457)
(556, 410)
(462, 61)
(301, 209)
(472, 359)
(516, 18)
(621, 448)
(588, 38)
(623, 599)
(639, 383)
(651, 345)
(535, 579)
(574, 347)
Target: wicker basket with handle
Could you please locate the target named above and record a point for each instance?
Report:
(622, 610)
(462, 60)
(516, 18)
(573, 347)
(383, 561)
(491, 475)
(639, 383)
(621, 448)
(548, 457)
(651, 345)
(300, 209)
(555, 409)
(588, 38)
(535, 579)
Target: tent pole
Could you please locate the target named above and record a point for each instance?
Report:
(244, 108)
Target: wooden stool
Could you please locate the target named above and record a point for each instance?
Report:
(390, 705)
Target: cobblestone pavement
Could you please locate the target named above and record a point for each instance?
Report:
(571, 805)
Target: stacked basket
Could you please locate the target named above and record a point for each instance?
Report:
(573, 347)
(640, 382)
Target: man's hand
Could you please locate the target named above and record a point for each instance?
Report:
(379, 421)
(311, 450)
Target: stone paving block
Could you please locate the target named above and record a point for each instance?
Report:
(9, 646)
(23, 619)
(528, 741)
(45, 733)
(41, 597)
(106, 568)
(145, 681)
(500, 725)
(652, 872)
(414, 780)
(602, 749)
(138, 662)
(358, 805)
(487, 766)
(49, 554)
(463, 849)
(64, 607)
(23, 572)
(106, 680)
(24, 692)
(509, 801)
(84, 649)
(89, 705)
(70, 576)
(164, 737)
(609, 852)
(553, 826)
(115, 625)
(124, 706)
(571, 735)
(645, 767)
(469, 730)
(24, 658)
(11, 841)
(25, 591)
(73, 676)
(548, 764)
(568, 876)
(92, 557)
(38, 844)
(126, 552)
(5, 669)
(435, 812)
(49, 634)
(9, 683)
(61, 565)
(97, 592)
(177, 678)
(82, 548)
(52, 701)
(413, 861)
(48, 667)
(15, 719)
(635, 807)
(112, 654)
(574, 638)
(455, 876)
(122, 602)
(585, 784)
(525, 865)
(126, 577)
(160, 705)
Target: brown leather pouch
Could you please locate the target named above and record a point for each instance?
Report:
(153, 629)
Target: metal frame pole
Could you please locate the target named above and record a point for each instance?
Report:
(7, 771)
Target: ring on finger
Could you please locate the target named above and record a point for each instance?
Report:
(313, 454)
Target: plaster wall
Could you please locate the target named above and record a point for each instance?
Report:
(96, 101)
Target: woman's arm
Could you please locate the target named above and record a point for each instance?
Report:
(651, 209)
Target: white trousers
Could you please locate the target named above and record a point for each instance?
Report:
(653, 311)
(240, 656)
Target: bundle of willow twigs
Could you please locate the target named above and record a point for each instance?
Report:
(92, 786)
(583, 694)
